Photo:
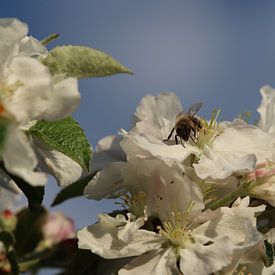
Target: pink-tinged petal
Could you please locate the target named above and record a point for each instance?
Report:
(57, 228)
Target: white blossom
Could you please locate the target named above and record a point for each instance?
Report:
(180, 245)
(28, 92)
(237, 149)
(172, 184)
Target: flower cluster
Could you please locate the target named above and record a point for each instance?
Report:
(196, 196)
(38, 137)
(29, 92)
(197, 206)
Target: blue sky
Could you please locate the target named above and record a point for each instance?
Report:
(217, 52)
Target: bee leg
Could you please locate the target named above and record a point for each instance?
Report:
(194, 133)
(198, 123)
(182, 142)
(170, 135)
(176, 139)
(193, 139)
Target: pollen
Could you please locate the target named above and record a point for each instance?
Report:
(209, 130)
(177, 228)
(135, 204)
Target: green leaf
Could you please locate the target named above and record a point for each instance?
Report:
(65, 136)
(269, 254)
(13, 262)
(74, 190)
(8, 240)
(81, 62)
(34, 194)
(4, 123)
(59, 255)
(84, 262)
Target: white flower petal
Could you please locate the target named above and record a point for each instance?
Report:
(155, 263)
(205, 259)
(220, 165)
(30, 46)
(139, 146)
(265, 191)
(155, 115)
(238, 223)
(270, 235)
(106, 182)
(63, 168)
(102, 239)
(8, 183)
(19, 157)
(111, 267)
(32, 82)
(269, 270)
(267, 109)
(126, 233)
(36, 96)
(8, 200)
(233, 150)
(11, 32)
(256, 268)
(108, 150)
(64, 99)
(166, 188)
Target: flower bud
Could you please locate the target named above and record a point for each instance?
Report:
(57, 228)
(263, 182)
(8, 220)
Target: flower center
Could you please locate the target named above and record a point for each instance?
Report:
(6, 91)
(210, 130)
(177, 228)
(134, 203)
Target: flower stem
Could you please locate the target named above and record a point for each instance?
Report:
(240, 192)
(49, 39)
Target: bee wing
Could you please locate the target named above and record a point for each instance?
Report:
(193, 109)
(182, 113)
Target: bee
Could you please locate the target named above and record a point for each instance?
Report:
(187, 125)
